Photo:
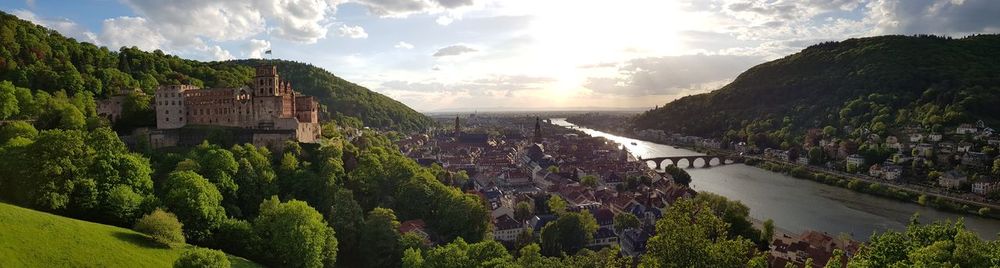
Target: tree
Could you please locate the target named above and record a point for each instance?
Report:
(624, 221)
(996, 167)
(768, 233)
(162, 226)
(836, 260)
(381, 235)
(569, 233)
(556, 205)
(689, 235)
(523, 211)
(347, 218)
(815, 155)
(16, 129)
(829, 131)
(296, 235)
(589, 181)
(202, 258)
(8, 100)
(680, 176)
(195, 201)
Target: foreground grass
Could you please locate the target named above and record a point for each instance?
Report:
(31, 238)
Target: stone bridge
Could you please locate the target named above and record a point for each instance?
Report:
(707, 160)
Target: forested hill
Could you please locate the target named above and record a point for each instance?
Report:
(34, 57)
(339, 95)
(877, 83)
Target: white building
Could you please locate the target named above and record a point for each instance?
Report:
(506, 228)
(855, 160)
(986, 187)
(966, 129)
(892, 172)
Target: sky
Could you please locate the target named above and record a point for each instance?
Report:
(463, 55)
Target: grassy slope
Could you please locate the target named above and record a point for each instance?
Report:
(31, 238)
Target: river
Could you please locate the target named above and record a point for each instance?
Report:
(797, 205)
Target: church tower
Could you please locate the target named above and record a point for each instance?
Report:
(458, 128)
(538, 131)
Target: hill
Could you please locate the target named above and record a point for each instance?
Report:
(38, 239)
(342, 96)
(876, 83)
(38, 58)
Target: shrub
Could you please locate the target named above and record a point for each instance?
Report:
(202, 258)
(162, 226)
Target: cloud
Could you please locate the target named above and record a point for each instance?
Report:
(453, 50)
(131, 31)
(183, 21)
(403, 45)
(256, 48)
(671, 75)
(444, 20)
(938, 17)
(353, 32)
(403, 8)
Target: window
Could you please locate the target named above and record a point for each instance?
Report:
(168, 119)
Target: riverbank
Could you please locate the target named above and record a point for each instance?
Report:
(875, 188)
(859, 185)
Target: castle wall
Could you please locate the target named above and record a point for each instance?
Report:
(170, 106)
(211, 107)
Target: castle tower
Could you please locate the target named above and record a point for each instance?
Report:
(538, 131)
(266, 82)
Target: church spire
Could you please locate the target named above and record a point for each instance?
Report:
(458, 128)
(538, 131)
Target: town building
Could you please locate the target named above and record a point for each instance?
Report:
(506, 228)
(267, 113)
(855, 160)
(976, 160)
(985, 187)
(966, 129)
(111, 108)
(892, 172)
(952, 179)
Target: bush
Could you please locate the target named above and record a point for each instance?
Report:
(162, 226)
(202, 258)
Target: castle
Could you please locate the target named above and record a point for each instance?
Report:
(267, 113)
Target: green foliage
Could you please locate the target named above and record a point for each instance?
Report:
(689, 235)
(857, 82)
(678, 174)
(523, 211)
(940, 244)
(624, 221)
(568, 234)
(296, 235)
(381, 236)
(74, 243)
(202, 258)
(589, 181)
(734, 213)
(196, 203)
(556, 205)
(16, 129)
(8, 100)
(162, 226)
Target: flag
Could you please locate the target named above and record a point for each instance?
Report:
(267, 52)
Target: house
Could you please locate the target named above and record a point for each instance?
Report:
(935, 137)
(603, 237)
(986, 187)
(925, 149)
(892, 172)
(633, 242)
(946, 147)
(891, 140)
(875, 171)
(963, 147)
(802, 160)
(506, 228)
(855, 160)
(416, 227)
(952, 179)
(916, 137)
(976, 160)
(966, 129)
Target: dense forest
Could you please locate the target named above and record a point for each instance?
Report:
(875, 84)
(34, 57)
